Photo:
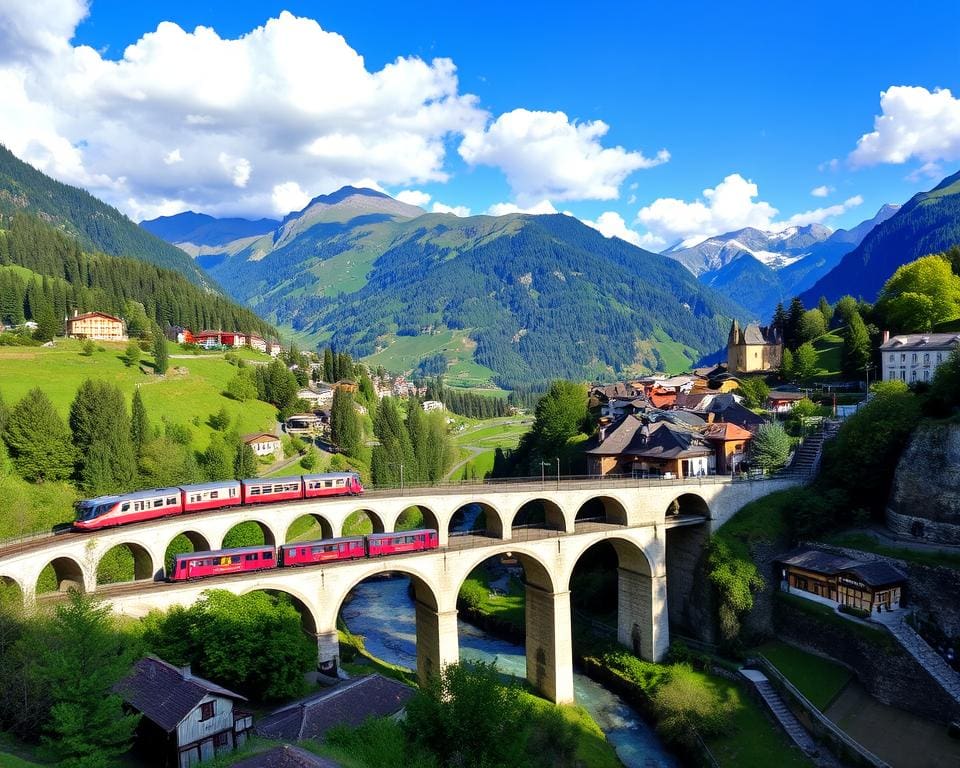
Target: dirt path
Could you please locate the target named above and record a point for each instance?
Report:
(474, 452)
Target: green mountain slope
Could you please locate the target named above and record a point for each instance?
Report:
(928, 223)
(96, 225)
(40, 265)
(532, 297)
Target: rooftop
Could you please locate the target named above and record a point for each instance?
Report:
(166, 694)
(922, 341)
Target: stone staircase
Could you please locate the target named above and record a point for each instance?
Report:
(806, 459)
(797, 733)
(928, 658)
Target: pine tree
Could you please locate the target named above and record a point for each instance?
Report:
(160, 354)
(102, 435)
(791, 331)
(805, 363)
(139, 424)
(131, 357)
(770, 447)
(419, 432)
(39, 441)
(78, 664)
(856, 346)
(245, 464)
(394, 450)
(826, 310)
(47, 324)
(328, 365)
(217, 462)
(344, 424)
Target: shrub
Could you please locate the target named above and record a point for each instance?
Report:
(472, 594)
(687, 703)
(309, 460)
(859, 612)
(87, 348)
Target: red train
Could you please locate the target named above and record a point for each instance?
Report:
(196, 565)
(108, 511)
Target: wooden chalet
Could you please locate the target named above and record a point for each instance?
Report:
(871, 586)
(186, 719)
(636, 446)
(730, 442)
(264, 444)
(98, 326)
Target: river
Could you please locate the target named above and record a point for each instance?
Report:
(383, 613)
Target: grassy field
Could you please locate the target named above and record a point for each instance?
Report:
(829, 349)
(761, 520)
(819, 679)
(403, 353)
(189, 394)
(493, 433)
(508, 607)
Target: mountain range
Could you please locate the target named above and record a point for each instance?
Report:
(516, 298)
(760, 269)
(927, 223)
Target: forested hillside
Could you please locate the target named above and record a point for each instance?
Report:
(927, 223)
(530, 298)
(44, 273)
(96, 225)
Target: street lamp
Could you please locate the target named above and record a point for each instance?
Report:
(558, 473)
(543, 477)
(867, 368)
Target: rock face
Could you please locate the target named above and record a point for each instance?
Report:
(925, 502)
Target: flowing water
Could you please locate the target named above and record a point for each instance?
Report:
(382, 612)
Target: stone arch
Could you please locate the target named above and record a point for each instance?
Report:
(114, 564)
(528, 515)
(535, 570)
(430, 519)
(308, 616)
(197, 543)
(425, 591)
(66, 571)
(642, 621)
(688, 504)
(377, 522)
(267, 533)
(325, 528)
(11, 591)
(489, 521)
(603, 509)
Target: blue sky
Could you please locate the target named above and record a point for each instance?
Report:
(769, 94)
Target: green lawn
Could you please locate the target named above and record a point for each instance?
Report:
(819, 679)
(507, 607)
(867, 543)
(477, 468)
(676, 357)
(829, 349)
(12, 761)
(751, 739)
(761, 520)
(403, 353)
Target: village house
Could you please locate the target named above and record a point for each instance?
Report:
(433, 405)
(730, 444)
(98, 326)
(316, 395)
(186, 719)
(256, 342)
(755, 348)
(782, 401)
(915, 357)
(636, 446)
(274, 348)
(303, 423)
(264, 444)
(835, 580)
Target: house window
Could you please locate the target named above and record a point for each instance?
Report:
(220, 739)
(207, 710)
(914, 361)
(926, 358)
(926, 375)
(893, 357)
(939, 358)
(903, 357)
(913, 375)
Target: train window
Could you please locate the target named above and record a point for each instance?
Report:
(125, 507)
(268, 555)
(316, 550)
(339, 483)
(235, 559)
(214, 494)
(171, 501)
(157, 503)
(328, 483)
(303, 551)
(233, 491)
(137, 506)
(253, 490)
(183, 564)
(251, 556)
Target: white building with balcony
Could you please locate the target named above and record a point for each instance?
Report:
(915, 357)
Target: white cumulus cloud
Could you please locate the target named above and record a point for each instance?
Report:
(286, 103)
(728, 206)
(502, 209)
(611, 224)
(819, 215)
(413, 197)
(914, 124)
(288, 197)
(457, 210)
(822, 191)
(545, 155)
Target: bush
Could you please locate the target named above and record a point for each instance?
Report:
(859, 612)
(87, 348)
(473, 594)
(686, 704)
(309, 460)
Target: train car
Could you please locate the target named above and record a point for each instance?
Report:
(197, 565)
(332, 484)
(215, 495)
(107, 511)
(267, 490)
(380, 544)
(309, 552)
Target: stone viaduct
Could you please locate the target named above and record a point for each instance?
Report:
(657, 528)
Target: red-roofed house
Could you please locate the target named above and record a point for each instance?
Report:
(730, 443)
